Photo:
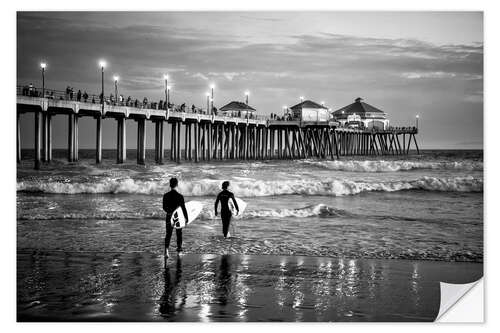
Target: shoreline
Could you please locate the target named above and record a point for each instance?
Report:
(434, 260)
(106, 286)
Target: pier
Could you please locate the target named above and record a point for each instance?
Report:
(205, 136)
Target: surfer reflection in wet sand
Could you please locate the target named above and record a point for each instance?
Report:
(225, 211)
(171, 291)
(171, 201)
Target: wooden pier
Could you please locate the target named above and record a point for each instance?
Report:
(208, 137)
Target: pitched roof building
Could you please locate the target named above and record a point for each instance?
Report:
(237, 109)
(361, 112)
(310, 111)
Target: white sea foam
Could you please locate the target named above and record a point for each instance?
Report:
(391, 166)
(256, 188)
(206, 214)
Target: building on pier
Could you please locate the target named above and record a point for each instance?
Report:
(361, 114)
(310, 111)
(238, 109)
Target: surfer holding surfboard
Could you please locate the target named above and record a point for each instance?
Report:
(225, 211)
(173, 200)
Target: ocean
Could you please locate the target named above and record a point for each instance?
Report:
(415, 207)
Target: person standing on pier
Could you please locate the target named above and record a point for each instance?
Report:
(225, 211)
(171, 201)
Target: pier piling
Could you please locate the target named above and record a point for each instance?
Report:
(37, 140)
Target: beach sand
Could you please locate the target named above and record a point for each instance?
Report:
(111, 286)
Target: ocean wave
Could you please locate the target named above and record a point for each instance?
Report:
(207, 214)
(392, 166)
(255, 188)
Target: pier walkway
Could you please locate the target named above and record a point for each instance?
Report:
(202, 136)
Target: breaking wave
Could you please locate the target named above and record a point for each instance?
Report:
(207, 213)
(391, 166)
(255, 188)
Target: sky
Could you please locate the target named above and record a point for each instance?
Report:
(405, 63)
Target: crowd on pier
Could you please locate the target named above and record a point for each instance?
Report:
(70, 95)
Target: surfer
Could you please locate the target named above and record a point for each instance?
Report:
(225, 211)
(171, 201)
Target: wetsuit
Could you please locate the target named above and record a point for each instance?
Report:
(171, 201)
(225, 212)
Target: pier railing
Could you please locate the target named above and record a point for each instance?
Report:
(84, 97)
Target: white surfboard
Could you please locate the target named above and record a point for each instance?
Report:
(193, 209)
(241, 205)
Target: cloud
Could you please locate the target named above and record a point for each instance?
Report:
(200, 76)
(440, 75)
(427, 75)
(228, 75)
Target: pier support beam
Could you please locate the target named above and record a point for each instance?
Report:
(98, 139)
(121, 141)
(37, 140)
(44, 137)
(178, 142)
(18, 138)
(172, 141)
(157, 144)
(159, 138)
(49, 137)
(186, 155)
(162, 142)
(71, 137)
(141, 141)
(75, 139)
(196, 143)
(223, 142)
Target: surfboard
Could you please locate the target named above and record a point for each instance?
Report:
(193, 208)
(241, 205)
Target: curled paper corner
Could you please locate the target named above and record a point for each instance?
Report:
(461, 302)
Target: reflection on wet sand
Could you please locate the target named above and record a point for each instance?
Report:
(174, 296)
(136, 286)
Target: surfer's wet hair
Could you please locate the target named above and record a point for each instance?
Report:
(225, 185)
(173, 182)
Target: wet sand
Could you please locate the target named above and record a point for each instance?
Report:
(110, 286)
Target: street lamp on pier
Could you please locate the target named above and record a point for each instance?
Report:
(43, 65)
(416, 120)
(165, 77)
(212, 86)
(168, 95)
(247, 93)
(102, 64)
(116, 78)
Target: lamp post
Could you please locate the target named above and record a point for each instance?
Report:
(168, 95)
(42, 66)
(116, 78)
(416, 120)
(102, 64)
(165, 77)
(212, 86)
(247, 93)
